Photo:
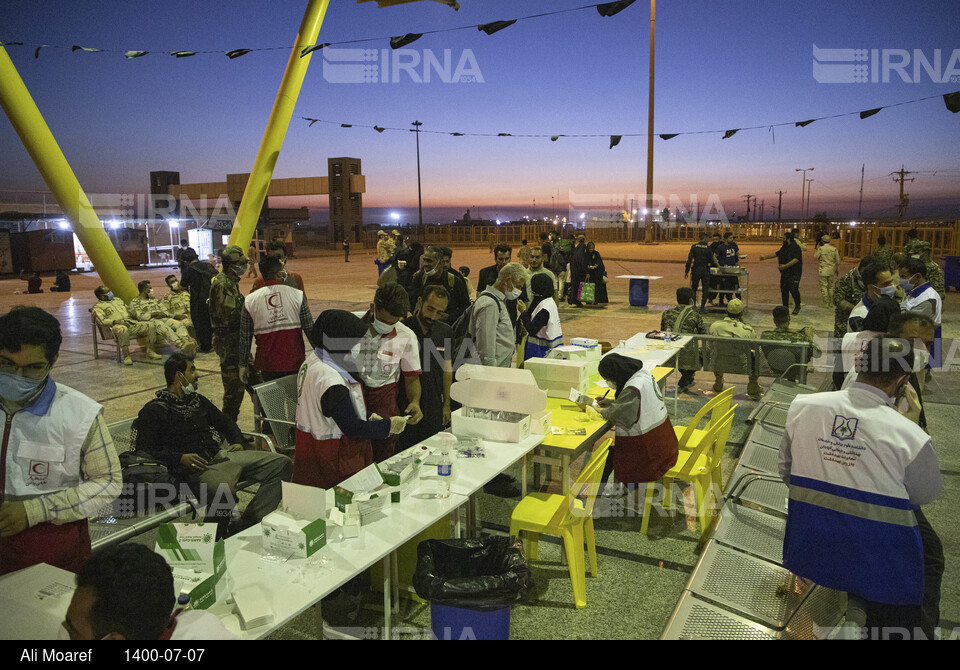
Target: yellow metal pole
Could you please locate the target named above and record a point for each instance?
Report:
(256, 190)
(23, 113)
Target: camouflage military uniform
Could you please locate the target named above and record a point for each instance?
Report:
(737, 359)
(884, 256)
(226, 308)
(688, 359)
(114, 315)
(936, 278)
(166, 327)
(177, 305)
(912, 247)
(784, 334)
(848, 289)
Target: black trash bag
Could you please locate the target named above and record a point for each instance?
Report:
(485, 574)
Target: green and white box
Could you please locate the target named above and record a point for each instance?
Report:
(299, 528)
(198, 560)
(367, 490)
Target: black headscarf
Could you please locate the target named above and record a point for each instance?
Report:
(542, 286)
(337, 332)
(619, 369)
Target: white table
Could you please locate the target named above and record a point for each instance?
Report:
(293, 586)
(35, 601)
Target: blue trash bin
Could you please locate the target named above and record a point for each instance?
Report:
(639, 292)
(951, 272)
(461, 623)
(471, 586)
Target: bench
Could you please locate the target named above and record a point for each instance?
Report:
(103, 333)
(277, 402)
(120, 520)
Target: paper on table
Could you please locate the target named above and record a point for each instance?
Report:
(602, 384)
(366, 480)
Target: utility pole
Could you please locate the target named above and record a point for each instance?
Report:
(416, 126)
(904, 197)
(860, 206)
(748, 198)
(762, 203)
(803, 188)
(809, 188)
(779, 204)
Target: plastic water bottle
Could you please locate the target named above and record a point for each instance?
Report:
(445, 467)
(668, 337)
(183, 602)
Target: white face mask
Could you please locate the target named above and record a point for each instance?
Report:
(920, 359)
(381, 327)
(188, 388)
(512, 294)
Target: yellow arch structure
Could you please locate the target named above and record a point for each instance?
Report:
(27, 120)
(255, 193)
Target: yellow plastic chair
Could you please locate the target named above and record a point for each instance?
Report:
(700, 467)
(569, 517)
(689, 436)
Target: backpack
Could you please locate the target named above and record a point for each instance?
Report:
(147, 485)
(463, 336)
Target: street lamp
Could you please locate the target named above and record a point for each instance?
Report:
(803, 190)
(416, 126)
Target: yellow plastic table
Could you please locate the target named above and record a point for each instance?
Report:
(562, 450)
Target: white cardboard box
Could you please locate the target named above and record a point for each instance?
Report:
(498, 390)
(591, 355)
(495, 431)
(557, 376)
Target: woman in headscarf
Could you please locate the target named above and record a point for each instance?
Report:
(646, 445)
(333, 432)
(541, 320)
(596, 274)
(578, 271)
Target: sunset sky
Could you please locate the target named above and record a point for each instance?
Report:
(720, 65)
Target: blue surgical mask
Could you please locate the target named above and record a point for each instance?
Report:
(109, 295)
(906, 285)
(18, 389)
(381, 327)
(888, 291)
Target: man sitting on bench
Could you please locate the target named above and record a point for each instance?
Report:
(183, 430)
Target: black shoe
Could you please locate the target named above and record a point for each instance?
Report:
(796, 311)
(502, 486)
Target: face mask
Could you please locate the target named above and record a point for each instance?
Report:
(512, 294)
(16, 388)
(109, 295)
(381, 327)
(150, 293)
(188, 388)
(920, 359)
(906, 285)
(888, 291)
(432, 272)
(175, 286)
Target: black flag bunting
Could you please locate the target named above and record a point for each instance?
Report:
(554, 138)
(135, 54)
(611, 8)
(495, 26)
(404, 40)
(668, 136)
(183, 54)
(310, 50)
(803, 124)
(952, 101)
(869, 112)
(615, 140)
(236, 53)
(729, 133)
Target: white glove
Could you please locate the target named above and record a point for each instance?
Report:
(397, 424)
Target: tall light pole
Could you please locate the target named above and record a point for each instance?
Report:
(804, 189)
(416, 129)
(648, 218)
(809, 188)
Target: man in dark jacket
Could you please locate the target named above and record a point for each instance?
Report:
(184, 430)
(195, 277)
(698, 262)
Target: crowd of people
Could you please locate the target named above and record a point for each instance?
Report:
(378, 380)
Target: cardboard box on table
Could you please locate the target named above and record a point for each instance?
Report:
(557, 376)
(363, 495)
(198, 560)
(499, 390)
(299, 528)
(590, 355)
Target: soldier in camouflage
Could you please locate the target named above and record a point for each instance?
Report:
(684, 318)
(226, 308)
(147, 308)
(883, 254)
(934, 271)
(177, 302)
(112, 313)
(782, 333)
(847, 293)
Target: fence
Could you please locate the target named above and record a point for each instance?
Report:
(861, 240)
